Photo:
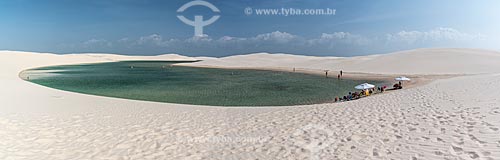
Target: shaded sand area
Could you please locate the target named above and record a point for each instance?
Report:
(451, 118)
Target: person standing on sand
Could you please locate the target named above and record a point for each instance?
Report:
(341, 73)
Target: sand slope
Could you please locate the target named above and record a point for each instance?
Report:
(420, 61)
(453, 118)
(15, 61)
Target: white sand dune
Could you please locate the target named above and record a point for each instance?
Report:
(420, 62)
(15, 61)
(456, 118)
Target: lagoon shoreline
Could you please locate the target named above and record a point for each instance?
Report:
(152, 81)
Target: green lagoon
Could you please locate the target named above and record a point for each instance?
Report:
(159, 81)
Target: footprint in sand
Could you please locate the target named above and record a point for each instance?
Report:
(438, 153)
(398, 136)
(495, 110)
(457, 149)
(426, 138)
(474, 138)
(458, 139)
(494, 129)
(471, 123)
(443, 130)
(394, 125)
(411, 129)
(473, 155)
(375, 152)
(486, 153)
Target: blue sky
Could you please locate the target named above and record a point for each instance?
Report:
(150, 27)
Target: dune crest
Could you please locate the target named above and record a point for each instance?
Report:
(419, 61)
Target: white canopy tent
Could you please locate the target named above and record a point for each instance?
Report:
(402, 78)
(365, 86)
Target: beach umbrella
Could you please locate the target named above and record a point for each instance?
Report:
(365, 86)
(402, 78)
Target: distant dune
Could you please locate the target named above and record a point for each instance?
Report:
(419, 61)
(26, 60)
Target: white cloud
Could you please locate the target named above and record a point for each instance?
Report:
(154, 39)
(336, 35)
(230, 39)
(199, 39)
(276, 36)
(438, 34)
(124, 40)
(333, 43)
(340, 38)
(97, 43)
(94, 41)
(276, 41)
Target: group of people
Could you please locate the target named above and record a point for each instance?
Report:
(363, 93)
(398, 85)
(354, 95)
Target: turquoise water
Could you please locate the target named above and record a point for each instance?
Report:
(160, 82)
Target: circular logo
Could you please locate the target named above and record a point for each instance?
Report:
(248, 11)
(198, 21)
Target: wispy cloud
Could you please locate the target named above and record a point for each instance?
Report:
(334, 43)
(153, 39)
(334, 38)
(97, 42)
(438, 34)
(277, 36)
